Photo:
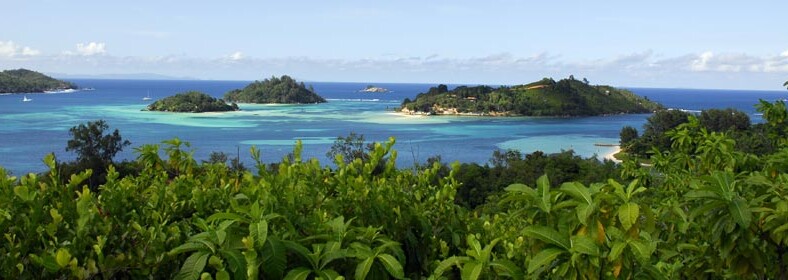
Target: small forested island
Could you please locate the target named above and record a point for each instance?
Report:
(284, 90)
(27, 81)
(371, 88)
(192, 102)
(567, 97)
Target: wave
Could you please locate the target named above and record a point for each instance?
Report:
(686, 110)
(60, 91)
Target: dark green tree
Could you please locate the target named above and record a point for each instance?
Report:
(628, 134)
(720, 120)
(350, 147)
(93, 146)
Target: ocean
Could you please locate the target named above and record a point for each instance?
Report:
(30, 130)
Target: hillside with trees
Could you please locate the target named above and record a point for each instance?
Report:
(192, 102)
(284, 90)
(567, 97)
(27, 81)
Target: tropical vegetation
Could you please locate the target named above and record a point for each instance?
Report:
(566, 97)
(192, 102)
(705, 209)
(283, 90)
(736, 124)
(24, 81)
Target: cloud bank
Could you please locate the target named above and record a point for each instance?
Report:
(9, 49)
(647, 68)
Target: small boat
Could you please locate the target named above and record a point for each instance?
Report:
(25, 99)
(146, 98)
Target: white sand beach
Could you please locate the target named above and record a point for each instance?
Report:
(616, 149)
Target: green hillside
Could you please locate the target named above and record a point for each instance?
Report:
(567, 97)
(284, 90)
(23, 80)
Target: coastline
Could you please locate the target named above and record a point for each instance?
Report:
(616, 149)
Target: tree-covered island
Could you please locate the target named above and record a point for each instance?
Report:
(192, 102)
(567, 97)
(284, 90)
(27, 81)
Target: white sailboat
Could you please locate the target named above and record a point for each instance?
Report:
(25, 99)
(146, 98)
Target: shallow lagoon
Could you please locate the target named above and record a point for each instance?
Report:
(30, 130)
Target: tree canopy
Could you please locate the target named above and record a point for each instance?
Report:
(567, 97)
(284, 90)
(23, 80)
(193, 102)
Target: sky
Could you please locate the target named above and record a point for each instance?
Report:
(668, 44)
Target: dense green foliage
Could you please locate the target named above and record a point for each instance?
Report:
(704, 210)
(283, 90)
(750, 138)
(567, 97)
(481, 183)
(192, 102)
(23, 80)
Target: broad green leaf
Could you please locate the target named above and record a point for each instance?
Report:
(259, 231)
(471, 270)
(543, 258)
(62, 257)
(298, 273)
(447, 263)
(48, 262)
(578, 192)
(722, 183)
(329, 274)
(628, 214)
(362, 268)
(274, 259)
(642, 249)
(222, 275)
(740, 212)
(187, 247)
(521, 188)
(543, 190)
(392, 266)
(507, 268)
(548, 235)
(193, 266)
(585, 245)
(616, 250)
(23, 193)
(236, 261)
(225, 216)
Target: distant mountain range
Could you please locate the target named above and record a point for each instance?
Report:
(130, 76)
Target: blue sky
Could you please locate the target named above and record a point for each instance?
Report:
(691, 44)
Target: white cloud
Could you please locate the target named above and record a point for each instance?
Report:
(10, 49)
(91, 48)
(738, 62)
(236, 56)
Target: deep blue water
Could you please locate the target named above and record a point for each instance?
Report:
(30, 130)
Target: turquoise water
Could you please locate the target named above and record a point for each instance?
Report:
(30, 130)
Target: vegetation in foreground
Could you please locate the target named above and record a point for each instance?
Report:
(567, 97)
(284, 90)
(704, 210)
(24, 81)
(192, 102)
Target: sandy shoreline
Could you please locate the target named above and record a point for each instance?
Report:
(616, 149)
